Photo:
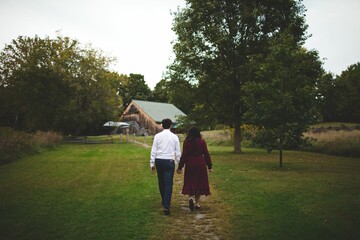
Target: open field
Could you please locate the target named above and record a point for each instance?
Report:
(106, 191)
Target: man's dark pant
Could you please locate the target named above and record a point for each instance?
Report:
(165, 172)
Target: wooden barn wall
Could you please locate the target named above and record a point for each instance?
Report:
(141, 118)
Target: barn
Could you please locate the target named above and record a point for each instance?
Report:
(145, 117)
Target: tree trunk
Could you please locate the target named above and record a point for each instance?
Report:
(281, 151)
(237, 138)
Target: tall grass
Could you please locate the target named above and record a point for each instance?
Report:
(335, 142)
(14, 144)
(329, 138)
(219, 137)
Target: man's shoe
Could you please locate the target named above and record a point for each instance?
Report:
(197, 207)
(166, 211)
(191, 204)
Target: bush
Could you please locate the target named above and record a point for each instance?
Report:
(14, 144)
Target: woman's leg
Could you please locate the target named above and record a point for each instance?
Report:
(197, 200)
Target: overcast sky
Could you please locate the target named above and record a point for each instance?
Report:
(138, 32)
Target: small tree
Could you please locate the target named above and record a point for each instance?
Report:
(282, 97)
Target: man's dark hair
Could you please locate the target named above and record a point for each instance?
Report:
(166, 123)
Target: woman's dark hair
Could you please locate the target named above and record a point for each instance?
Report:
(193, 133)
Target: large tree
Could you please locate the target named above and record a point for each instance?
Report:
(134, 87)
(55, 84)
(217, 39)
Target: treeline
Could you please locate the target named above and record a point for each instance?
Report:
(340, 97)
(235, 63)
(54, 84)
(59, 85)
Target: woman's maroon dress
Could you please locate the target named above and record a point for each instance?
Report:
(195, 157)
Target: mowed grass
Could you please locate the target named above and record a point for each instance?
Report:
(106, 191)
(313, 196)
(79, 192)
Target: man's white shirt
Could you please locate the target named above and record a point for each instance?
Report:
(166, 145)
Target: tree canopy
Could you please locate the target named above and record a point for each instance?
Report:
(55, 84)
(221, 43)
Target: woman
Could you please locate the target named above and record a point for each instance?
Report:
(195, 157)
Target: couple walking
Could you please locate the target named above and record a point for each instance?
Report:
(195, 157)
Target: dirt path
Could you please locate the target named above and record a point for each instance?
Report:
(210, 222)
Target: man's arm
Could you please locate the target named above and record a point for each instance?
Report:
(177, 150)
(153, 154)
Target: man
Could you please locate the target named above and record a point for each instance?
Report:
(165, 152)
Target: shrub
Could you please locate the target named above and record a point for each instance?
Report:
(267, 139)
(14, 144)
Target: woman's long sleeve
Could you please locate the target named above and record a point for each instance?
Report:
(183, 157)
(207, 156)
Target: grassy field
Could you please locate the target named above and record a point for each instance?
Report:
(79, 192)
(106, 191)
(313, 197)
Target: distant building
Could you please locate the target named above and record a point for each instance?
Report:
(145, 117)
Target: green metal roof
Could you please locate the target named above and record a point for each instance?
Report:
(159, 111)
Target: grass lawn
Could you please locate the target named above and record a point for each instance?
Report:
(314, 196)
(106, 191)
(79, 192)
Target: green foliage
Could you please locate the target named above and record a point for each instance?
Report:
(347, 94)
(134, 87)
(282, 98)
(326, 98)
(183, 124)
(266, 138)
(161, 92)
(217, 42)
(55, 84)
(340, 96)
(177, 91)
